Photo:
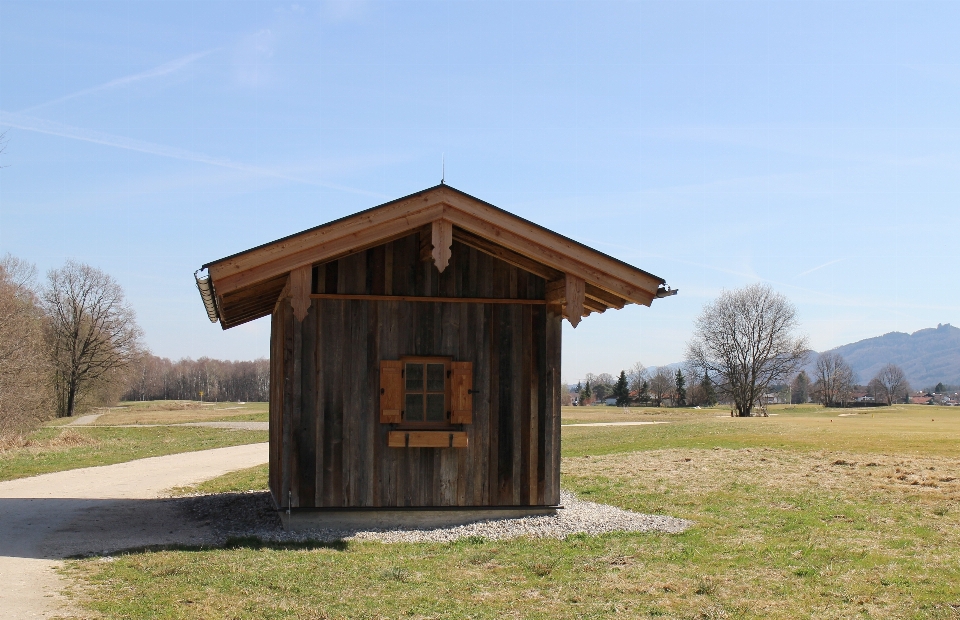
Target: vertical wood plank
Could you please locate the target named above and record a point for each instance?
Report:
(333, 329)
(526, 412)
(306, 430)
(277, 341)
(552, 422)
(518, 403)
(320, 388)
(539, 345)
(291, 377)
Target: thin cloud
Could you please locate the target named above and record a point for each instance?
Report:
(39, 125)
(833, 262)
(164, 69)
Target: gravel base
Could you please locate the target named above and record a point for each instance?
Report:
(251, 515)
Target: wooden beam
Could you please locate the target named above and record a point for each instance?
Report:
(573, 308)
(608, 299)
(442, 239)
(448, 300)
(427, 439)
(539, 249)
(228, 277)
(548, 239)
(594, 306)
(350, 227)
(299, 290)
(508, 256)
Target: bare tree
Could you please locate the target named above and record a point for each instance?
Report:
(745, 341)
(93, 333)
(892, 383)
(661, 385)
(834, 379)
(24, 369)
(635, 378)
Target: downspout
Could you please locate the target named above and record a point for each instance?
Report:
(205, 286)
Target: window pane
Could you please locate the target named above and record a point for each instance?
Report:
(413, 409)
(435, 410)
(435, 378)
(414, 376)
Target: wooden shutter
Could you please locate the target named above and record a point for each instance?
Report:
(391, 391)
(461, 390)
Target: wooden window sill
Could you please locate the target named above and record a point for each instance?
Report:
(427, 439)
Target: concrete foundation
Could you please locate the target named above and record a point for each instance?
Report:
(412, 518)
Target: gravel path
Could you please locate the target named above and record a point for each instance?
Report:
(44, 519)
(85, 420)
(251, 515)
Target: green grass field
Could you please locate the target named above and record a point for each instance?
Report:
(807, 513)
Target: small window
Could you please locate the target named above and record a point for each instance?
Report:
(425, 391)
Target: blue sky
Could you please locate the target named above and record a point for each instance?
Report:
(810, 145)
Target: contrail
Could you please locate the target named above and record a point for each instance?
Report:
(820, 267)
(164, 69)
(30, 123)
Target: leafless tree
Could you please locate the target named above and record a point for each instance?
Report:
(745, 341)
(92, 332)
(892, 383)
(834, 379)
(24, 369)
(635, 377)
(661, 385)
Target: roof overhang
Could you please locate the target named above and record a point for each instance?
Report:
(246, 286)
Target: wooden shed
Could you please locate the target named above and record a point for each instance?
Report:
(415, 352)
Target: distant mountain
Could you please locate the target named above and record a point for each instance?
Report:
(927, 356)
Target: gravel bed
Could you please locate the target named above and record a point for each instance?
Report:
(251, 515)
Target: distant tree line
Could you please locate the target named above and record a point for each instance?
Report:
(746, 351)
(158, 378)
(640, 386)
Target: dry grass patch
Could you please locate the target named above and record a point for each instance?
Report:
(179, 412)
(783, 533)
(66, 439)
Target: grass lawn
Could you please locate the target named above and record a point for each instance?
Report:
(803, 514)
(56, 448)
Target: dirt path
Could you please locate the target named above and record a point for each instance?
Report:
(612, 424)
(85, 420)
(97, 510)
(239, 425)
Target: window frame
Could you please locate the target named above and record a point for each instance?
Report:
(446, 424)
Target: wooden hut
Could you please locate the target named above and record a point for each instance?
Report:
(415, 352)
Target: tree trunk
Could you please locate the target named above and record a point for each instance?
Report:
(71, 398)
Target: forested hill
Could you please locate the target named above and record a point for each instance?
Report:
(927, 356)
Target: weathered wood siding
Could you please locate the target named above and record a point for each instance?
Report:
(332, 451)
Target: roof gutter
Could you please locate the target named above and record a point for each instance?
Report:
(665, 292)
(205, 286)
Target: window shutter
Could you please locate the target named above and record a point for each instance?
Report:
(391, 391)
(462, 393)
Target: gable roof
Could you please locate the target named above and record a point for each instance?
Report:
(245, 286)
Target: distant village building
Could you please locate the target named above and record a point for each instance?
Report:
(415, 352)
